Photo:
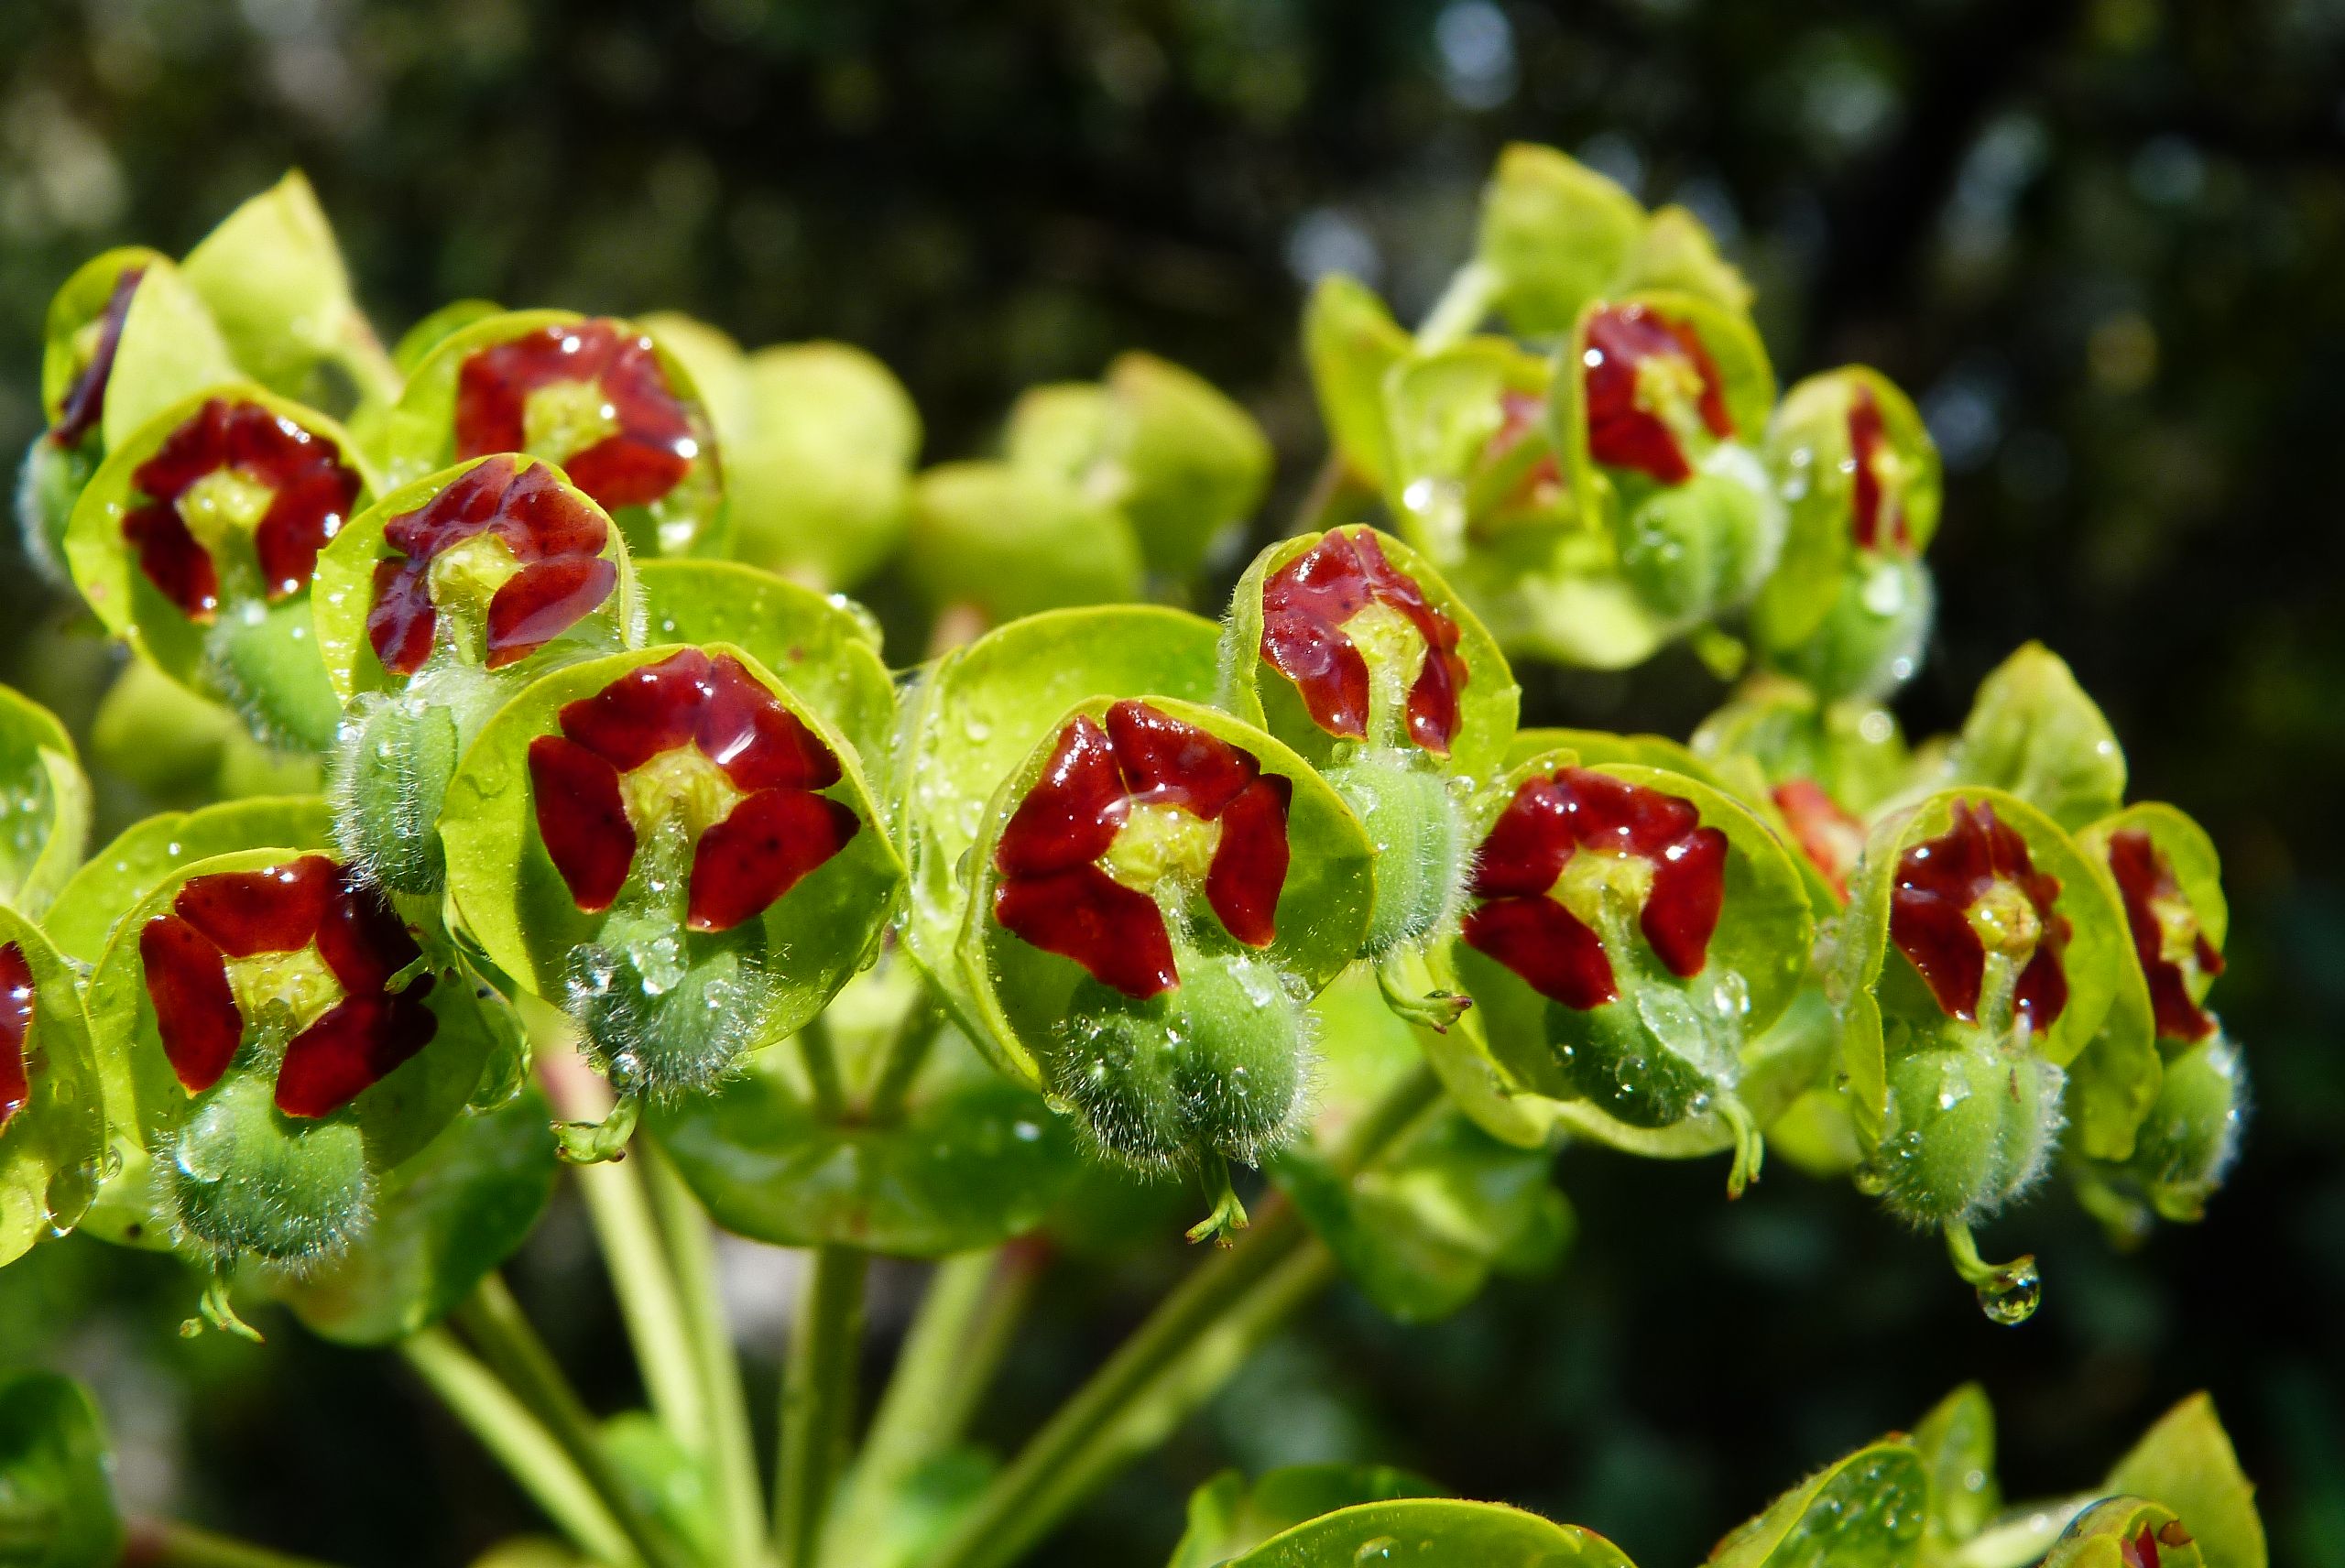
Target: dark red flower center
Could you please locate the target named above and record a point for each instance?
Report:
(1145, 806)
(2141, 1550)
(232, 469)
(86, 399)
(16, 999)
(1578, 850)
(1827, 834)
(1651, 388)
(2167, 936)
(590, 396)
(1330, 610)
(306, 941)
(539, 540)
(699, 736)
(1877, 488)
(1971, 890)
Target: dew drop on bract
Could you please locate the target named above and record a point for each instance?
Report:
(2013, 1294)
(1378, 1549)
(68, 1195)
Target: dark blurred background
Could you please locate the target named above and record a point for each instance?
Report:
(2103, 243)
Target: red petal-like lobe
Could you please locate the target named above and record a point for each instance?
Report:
(1620, 434)
(1688, 891)
(310, 507)
(759, 852)
(1115, 933)
(361, 938)
(1938, 882)
(1551, 949)
(1306, 605)
(85, 400)
(247, 912)
(1935, 934)
(1249, 868)
(16, 1000)
(1830, 837)
(543, 600)
(2043, 989)
(1867, 440)
(198, 446)
(1432, 698)
(2146, 879)
(627, 471)
(652, 449)
(401, 621)
(540, 517)
(466, 504)
(195, 1012)
(650, 708)
(1612, 814)
(353, 1046)
(749, 733)
(582, 819)
(1069, 819)
(311, 492)
(1529, 843)
(1168, 763)
(181, 569)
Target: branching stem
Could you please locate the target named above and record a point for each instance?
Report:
(818, 1401)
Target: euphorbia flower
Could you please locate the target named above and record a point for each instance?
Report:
(1648, 382)
(1827, 834)
(232, 464)
(1972, 885)
(2141, 1550)
(1320, 607)
(302, 933)
(1877, 492)
(1562, 843)
(84, 403)
(2167, 935)
(703, 732)
(1119, 812)
(587, 395)
(17, 1002)
(555, 540)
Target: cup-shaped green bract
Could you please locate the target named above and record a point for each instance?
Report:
(601, 398)
(435, 606)
(1350, 648)
(1632, 932)
(282, 1040)
(678, 849)
(1158, 890)
(1466, 452)
(44, 804)
(2034, 731)
(198, 538)
(1229, 1518)
(57, 1507)
(1000, 540)
(2124, 1532)
(182, 750)
(977, 714)
(52, 1103)
(1554, 235)
(1870, 1506)
(2185, 1460)
(1189, 466)
(1352, 342)
(93, 903)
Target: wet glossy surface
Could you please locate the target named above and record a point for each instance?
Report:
(1828, 835)
(648, 453)
(1871, 503)
(1941, 880)
(1623, 429)
(2145, 878)
(84, 404)
(1305, 606)
(17, 1002)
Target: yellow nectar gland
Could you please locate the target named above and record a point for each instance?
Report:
(1158, 841)
(463, 579)
(2177, 932)
(680, 785)
(562, 419)
(1669, 386)
(283, 993)
(1394, 652)
(2006, 921)
(1604, 887)
(224, 509)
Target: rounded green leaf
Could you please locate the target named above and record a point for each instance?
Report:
(1555, 233)
(1430, 1532)
(1676, 252)
(1468, 450)
(1594, 746)
(2034, 732)
(1193, 464)
(2186, 1462)
(820, 469)
(45, 801)
(1009, 542)
(274, 280)
(170, 347)
(82, 920)
(444, 1218)
(182, 749)
(1854, 750)
(52, 1141)
(1866, 1511)
(1351, 342)
(57, 1506)
(1228, 1516)
(417, 342)
(1957, 1443)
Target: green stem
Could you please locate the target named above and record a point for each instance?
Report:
(516, 1440)
(900, 1065)
(817, 1401)
(161, 1543)
(822, 1058)
(731, 1449)
(1461, 307)
(493, 1319)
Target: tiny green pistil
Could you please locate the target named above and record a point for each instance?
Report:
(2007, 922)
(562, 419)
(1156, 842)
(283, 993)
(223, 505)
(1604, 888)
(680, 784)
(1394, 651)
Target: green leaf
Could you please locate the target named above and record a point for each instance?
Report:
(1676, 252)
(1194, 463)
(1009, 542)
(83, 918)
(1229, 1518)
(1957, 1443)
(1352, 342)
(1594, 746)
(1866, 1511)
(666, 1480)
(170, 348)
(1464, 429)
(53, 1148)
(1852, 749)
(2186, 1462)
(2033, 731)
(1434, 1533)
(981, 710)
(820, 475)
(1556, 234)
(273, 279)
(416, 343)
(57, 1506)
(179, 748)
(44, 799)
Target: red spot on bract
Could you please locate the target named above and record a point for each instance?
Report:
(555, 536)
(17, 1001)
(1868, 442)
(2142, 1552)
(1620, 432)
(647, 455)
(311, 492)
(1306, 606)
(353, 1046)
(1554, 817)
(1827, 834)
(195, 1011)
(2145, 878)
(770, 840)
(1940, 880)
(1054, 894)
(84, 403)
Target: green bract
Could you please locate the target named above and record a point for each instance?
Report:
(1229, 1518)
(2109, 1533)
(1554, 235)
(1004, 541)
(93, 903)
(185, 750)
(44, 803)
(1957, 1443)
(1853, 750)
(57, 1505)
(1352, 341)
(2186, 1462)
(52, 1104)
(1866, 1511)
(2033, 731)
(1430, 1532)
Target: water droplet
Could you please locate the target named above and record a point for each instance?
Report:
(2013, 1294)
(1378, 1549)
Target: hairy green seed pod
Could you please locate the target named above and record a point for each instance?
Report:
(1968, 1128)
(1869, 642)
(2185, 1147)
(390, 776)
(242, 1178)
(1692, 548)
(1421, 844)
(1648, 1060)
(1216, 1066)
(660, 1022)
(264, 662)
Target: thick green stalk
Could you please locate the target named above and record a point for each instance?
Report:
(817, 1401)
(731, 1449)
(161, 1543)
(517, 1440)
(493, 1320)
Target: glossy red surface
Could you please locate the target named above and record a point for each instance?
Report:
(1869, 503)
(646, 457)
(1306, 605)
(1621, 433)
(2145, 880)
(1828, 835)
(17, 1002)
(353, 1046)
(1940, 880)
(84, 404)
